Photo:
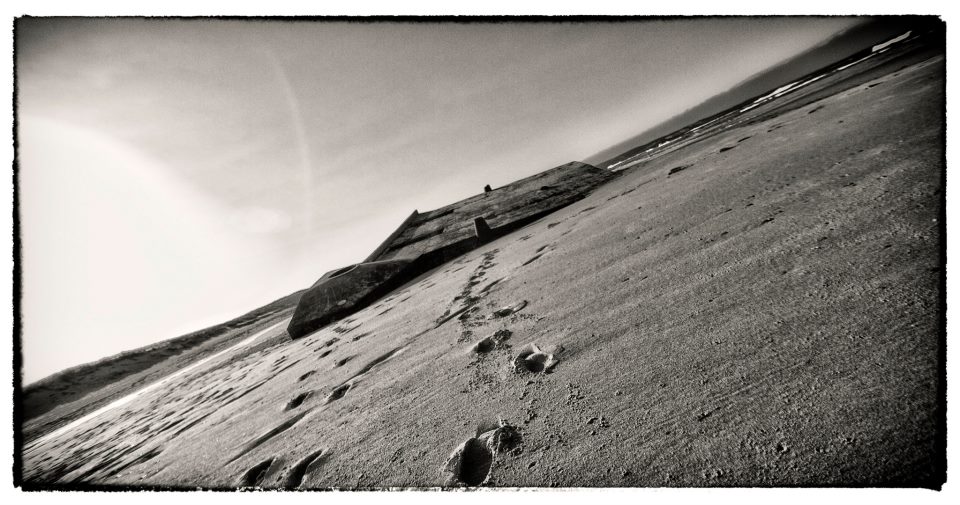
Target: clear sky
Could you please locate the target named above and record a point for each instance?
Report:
(175, 174)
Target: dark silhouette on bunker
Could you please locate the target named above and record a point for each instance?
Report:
(424, 241)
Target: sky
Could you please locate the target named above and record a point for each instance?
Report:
(174, 174)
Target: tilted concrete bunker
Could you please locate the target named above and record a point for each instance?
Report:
(426, 240)
(339, 292)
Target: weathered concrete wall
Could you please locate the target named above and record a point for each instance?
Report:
(344, 291)
(547, 190)
(390, 238)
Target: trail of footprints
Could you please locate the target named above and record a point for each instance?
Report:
(257, 475)
(472, 462)
(203, 395)
(467, 300)
(98, 452)
(101, 451)
(267, 470)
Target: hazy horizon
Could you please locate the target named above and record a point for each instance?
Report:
(842, 45)
(175, 173)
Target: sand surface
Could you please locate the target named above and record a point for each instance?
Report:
(767, 315)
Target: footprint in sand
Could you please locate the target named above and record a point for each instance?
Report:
(533, 360)
(490, 285)
(337, 393)
(491, 342)
(296, 401)
(342, 361)
(301, 468)
(471, 462)
(255, 475)
(512, 309)
(266, 436)
(467, 314)
(450, 315)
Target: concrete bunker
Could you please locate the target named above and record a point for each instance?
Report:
(427, 240)
(344, 291)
